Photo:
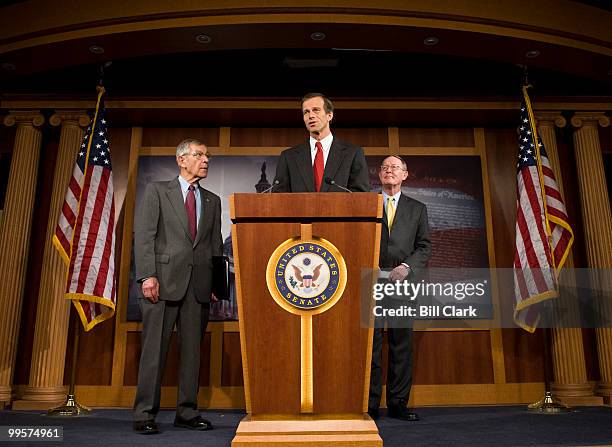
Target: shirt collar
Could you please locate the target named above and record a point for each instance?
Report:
(395, 196)
(185, 184)
(325, 142)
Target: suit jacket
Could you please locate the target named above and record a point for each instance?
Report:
(346, 165)
(163, 246)
(409, 239)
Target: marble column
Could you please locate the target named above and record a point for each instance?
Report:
(570, 376)
(46, 384)
(597, 220)
(15, 236)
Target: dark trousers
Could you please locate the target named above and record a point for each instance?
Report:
(158, 320)
(399, 368)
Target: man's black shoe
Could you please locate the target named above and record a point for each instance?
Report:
(197, 423)
(401, 413)
(374, 413)
(145, 427)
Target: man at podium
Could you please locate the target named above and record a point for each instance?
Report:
(404, 248)
(324, 163)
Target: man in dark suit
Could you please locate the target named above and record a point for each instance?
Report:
(324, 163)
(177, 231)
(404, 248)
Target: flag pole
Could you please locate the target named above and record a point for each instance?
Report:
(547, 404)
(71, 407)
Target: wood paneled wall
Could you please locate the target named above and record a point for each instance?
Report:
(505, 364)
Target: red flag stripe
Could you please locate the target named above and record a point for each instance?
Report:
(68, 214)
(535, 210)
(556, 213)
(101, 280)
(553, 194)
(102, 207)
(534, 267)
(530, 238)
(91, 225)
(75, 189)
(546, 170)
(521, 283)
(77, 231)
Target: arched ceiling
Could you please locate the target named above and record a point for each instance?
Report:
(371, 48)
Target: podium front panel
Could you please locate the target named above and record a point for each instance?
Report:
(271, 336)
(340, 343)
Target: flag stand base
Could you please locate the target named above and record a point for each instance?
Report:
(548, 405)
(69, 408)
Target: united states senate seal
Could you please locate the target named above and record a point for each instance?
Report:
(306, 276)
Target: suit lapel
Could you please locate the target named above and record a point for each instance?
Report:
(205, 213)
(304, 164)
(385, 225)
(401, 212)
(334, 159)
(175, 197)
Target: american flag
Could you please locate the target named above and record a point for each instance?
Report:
(85, 233)
(543, 233)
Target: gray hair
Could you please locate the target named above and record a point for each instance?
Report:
(183, 147)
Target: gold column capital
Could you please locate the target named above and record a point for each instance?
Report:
(24, 118)
(550, 119)
(581, 119)
(69, 118)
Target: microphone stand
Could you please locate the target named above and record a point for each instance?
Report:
(332, 182)
(275, 183)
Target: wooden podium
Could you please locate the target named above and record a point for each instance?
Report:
(306, 371)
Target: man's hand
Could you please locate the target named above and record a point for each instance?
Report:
(150, 289)
(213, 298)
(399, 273)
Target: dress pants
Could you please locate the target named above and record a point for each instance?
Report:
(191, 318)
(399, 368)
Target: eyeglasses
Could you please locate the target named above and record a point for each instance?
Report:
(391, 168)
(199, 155)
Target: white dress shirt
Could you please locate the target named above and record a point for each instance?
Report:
(326, 143)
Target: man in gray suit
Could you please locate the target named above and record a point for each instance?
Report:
(324, 163)
(177, 231)
(405, 248)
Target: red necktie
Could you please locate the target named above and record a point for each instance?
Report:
(318, 167)
(190, 207)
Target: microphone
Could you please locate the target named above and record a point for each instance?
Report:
(332, 182)
(275, 183)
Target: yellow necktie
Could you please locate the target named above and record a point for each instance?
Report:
(390, 212)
